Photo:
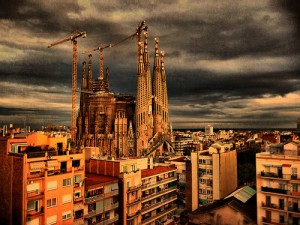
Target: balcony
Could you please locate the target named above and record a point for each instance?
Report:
(133, 215)
(35, 194)
(158, 215)
(158, 194)
(78, 199)
(100, 197)
(275, 190)
(133, 188)
(151, 207)
(35, 213)
(269, 221)
(270, 174)
(101, 210)
(33, 175)
(154, 184)
(272, 206)
(294, 209)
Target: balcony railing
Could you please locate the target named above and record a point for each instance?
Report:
(35, 193)
(275, 190)
(132, 215)
(294, 209)
(150, 207)
(78, 199)
(154, 184)
(133, 188)
(100, 197)
(271, 205)
(35, 213)
(157, 194)
(99, 211)
(270, 174)
(160, 214)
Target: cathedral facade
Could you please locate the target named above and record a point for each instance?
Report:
(123, 125)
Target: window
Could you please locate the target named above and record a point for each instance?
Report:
(77, 194)
(132, 168)
(295, 187)
(51, 220)
(52, 185)
(32, 205)
(67, 182)
(202, 181)
(124, 169)
(294, 171)
(66, 198)
(77, 179)
(51, 202)
(281, 218)
(66, 215)
(76, 163)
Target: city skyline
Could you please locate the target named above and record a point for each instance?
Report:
(230, 64)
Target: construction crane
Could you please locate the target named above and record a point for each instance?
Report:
(138, 32)
(73, 39)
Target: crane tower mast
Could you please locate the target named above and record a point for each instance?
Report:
(73, 39)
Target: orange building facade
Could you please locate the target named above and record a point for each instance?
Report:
(42, 181)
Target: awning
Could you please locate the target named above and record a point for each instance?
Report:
(37, 165)
(286, 165)
(52, 163)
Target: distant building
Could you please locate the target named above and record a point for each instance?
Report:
(277, 181)
(41, 183)
(209, 130)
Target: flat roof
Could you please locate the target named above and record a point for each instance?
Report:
(94, 180)
(157, 170)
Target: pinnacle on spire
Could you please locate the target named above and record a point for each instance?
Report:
(83, 83)
(140, 63)
(90, 79)
(162, 59)
(106, 77)
(156, 45)
(156, 57)
(146, 55)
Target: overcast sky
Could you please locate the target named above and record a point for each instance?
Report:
(229, 63)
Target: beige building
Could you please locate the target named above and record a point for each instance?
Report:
(217, 169)
(41, 181)
(278, 191)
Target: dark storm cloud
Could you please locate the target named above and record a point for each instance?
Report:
(222, 57)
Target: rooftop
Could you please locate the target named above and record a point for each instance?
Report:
(92, 180)
(157, 170)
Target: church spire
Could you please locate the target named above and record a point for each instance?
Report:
(101, 62)
(83, 82)
(90, 78)
(106, 78)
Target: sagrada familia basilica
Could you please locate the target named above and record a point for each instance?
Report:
(123, 125)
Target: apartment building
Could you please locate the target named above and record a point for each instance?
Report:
(278, 190)
(217, 171)
(159, 195)
(147, 193)
(128, 172)
(101, 200)
(41, 181)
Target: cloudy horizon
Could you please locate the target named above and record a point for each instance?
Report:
(231, 64)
